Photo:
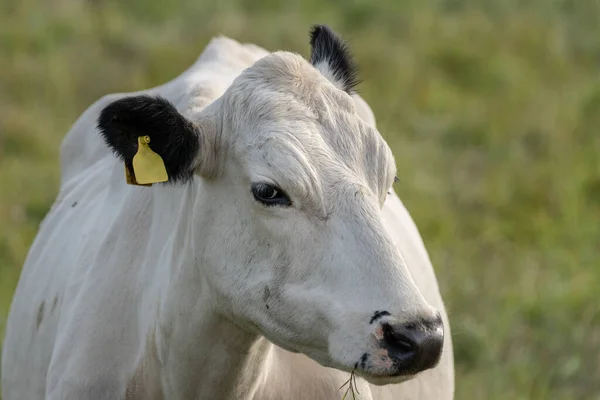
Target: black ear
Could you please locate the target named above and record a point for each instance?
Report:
(330, 55)
(172, 136)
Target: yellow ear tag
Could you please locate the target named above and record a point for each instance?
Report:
(148, 167)
(130, 177)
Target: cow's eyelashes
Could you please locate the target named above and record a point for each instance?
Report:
(389, 192)
(270, 195)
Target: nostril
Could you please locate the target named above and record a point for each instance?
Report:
(414, 346)
(398, 342)
(405, 346)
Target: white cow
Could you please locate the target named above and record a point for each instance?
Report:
(276, 260)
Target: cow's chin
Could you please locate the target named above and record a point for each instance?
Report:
(324, 360)
(381, 380)
(376, 378)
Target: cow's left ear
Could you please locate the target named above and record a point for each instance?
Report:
(331, 56)
(173, 137)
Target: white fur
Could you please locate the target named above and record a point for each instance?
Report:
(326, 71)
(162, 293)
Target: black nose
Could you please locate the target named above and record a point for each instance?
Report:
(415, 346)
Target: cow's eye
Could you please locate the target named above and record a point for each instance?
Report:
(270, 195)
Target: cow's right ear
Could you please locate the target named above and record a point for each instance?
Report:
(172, 136)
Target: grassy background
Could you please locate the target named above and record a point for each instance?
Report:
(492, 109)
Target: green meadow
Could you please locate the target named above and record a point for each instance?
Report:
(491, 107)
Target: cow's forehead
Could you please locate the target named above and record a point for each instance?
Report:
(283, 109)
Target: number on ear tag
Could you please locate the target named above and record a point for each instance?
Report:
(148, 167)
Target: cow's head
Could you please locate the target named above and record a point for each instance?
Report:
(290, 189)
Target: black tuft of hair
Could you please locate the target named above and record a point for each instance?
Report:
(328, 47)
(172, 136)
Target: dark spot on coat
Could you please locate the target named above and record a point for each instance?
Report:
(377, 315)
(363, 361)
(40, 315)
(54, 303)
(266, 295)
(74, 204)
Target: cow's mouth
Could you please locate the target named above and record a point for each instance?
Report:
(380, 375)
(379, 379)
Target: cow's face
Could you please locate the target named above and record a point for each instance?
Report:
(291, 186)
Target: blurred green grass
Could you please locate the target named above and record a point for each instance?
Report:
(492, 109)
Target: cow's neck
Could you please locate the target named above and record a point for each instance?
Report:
(203, 355)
